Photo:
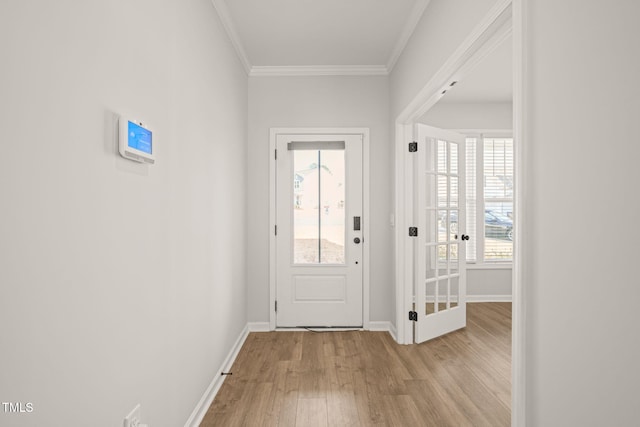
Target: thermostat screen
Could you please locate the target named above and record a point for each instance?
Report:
(139, 138)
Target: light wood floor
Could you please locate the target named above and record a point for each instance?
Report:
(366, 379)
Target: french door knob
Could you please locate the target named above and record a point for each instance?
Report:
(465, 237)
(356, 240)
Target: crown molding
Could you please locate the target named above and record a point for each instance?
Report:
(318, 70)
(409, 27)
(227, 22)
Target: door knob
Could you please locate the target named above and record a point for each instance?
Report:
(356, 240)
(464, 237)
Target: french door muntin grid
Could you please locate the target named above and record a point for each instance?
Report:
(438, 200)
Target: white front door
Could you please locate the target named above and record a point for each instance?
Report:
(319, 236)
(440, 287)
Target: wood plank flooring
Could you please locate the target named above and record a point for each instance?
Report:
(365, 379)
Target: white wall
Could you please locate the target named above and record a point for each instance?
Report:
(120, 283)
(319, 102)
(582, 293)
(469, 116)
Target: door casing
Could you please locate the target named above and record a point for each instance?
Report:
(273, 133)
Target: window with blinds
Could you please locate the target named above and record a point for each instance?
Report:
(489, 198)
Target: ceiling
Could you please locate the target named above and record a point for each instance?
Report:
(489, 82)
(320, 32)
(300, 37)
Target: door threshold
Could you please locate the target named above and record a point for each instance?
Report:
(319, 328)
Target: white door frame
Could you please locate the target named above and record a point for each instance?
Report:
(273, 133)
(507, 17)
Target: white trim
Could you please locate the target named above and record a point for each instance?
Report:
(366, 212)
(489, 266)
(393, 331)
(487, 36)
(379, 326)
(318, 70)
(489, 133)
(229, 26)
(258, 326)
(318, 329)
(472, 298)
(522, 196)
(273, 167)
(210, 393)
(489, 298)
(409, 27)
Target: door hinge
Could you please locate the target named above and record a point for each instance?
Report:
(275, 154)
(413, 147)
(275, 229)
(413, 316)
(413, 231)
(276, 307)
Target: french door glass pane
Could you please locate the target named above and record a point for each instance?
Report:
(454, 158)
(453, 224)
(443, 200)
(454, 192)
(443, 164)
(443, 226)
(319, 220)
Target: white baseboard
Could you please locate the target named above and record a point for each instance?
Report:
(207, 398)
(393, 331)
(384, 326)
(258, 326)
(489, 298)
(379, 326)
(475, 298)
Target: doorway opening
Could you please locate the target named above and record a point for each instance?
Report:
(503, 25)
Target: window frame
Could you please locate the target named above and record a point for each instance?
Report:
(480, 134)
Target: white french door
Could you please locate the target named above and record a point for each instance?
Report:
(440, 285)
(319, 223)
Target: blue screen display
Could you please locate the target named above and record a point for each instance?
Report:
(139, 138)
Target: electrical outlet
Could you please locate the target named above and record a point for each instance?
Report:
(134, 419)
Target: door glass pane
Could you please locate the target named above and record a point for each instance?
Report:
(332, 217)
(306, 227)
(442, 259)
(453, 197)
(443, 200)
(432, 226)
(443, 164)
(453, 224)
(443, 294)
(431, 193)
(443, 225)
(318, 207)
(432, 265)
(454, 157)
(431, 155)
